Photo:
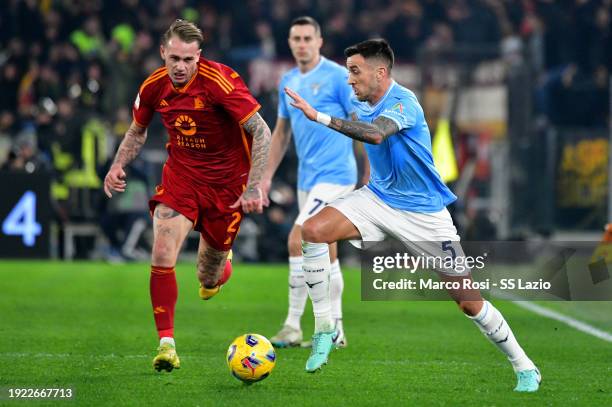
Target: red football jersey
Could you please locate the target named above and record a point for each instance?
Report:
(204, 121)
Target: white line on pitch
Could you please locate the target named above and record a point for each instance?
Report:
(574, 323)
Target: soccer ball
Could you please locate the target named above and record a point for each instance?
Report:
(251, 358)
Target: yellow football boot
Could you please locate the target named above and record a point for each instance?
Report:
(166, 358)
(208, 293)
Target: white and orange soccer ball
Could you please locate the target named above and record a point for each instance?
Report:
(251, 358)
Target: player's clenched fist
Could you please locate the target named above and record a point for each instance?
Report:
(114, 180)
(251, 200)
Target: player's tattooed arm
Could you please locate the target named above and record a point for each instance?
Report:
(132, 142)
(372, 133)
(257, 127)
(115, 180)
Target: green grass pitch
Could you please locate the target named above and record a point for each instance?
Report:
(89, 326)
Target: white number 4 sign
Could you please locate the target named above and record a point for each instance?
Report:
(21, 221)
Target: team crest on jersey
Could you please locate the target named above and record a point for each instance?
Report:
(185, 125)
(398, 107)
(315, 88)
(197, 103)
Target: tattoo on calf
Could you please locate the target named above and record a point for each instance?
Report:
(209, 265)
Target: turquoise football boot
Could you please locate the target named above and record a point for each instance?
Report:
(528, 381)
(322, 344)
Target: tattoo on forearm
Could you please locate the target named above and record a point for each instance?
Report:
(372, 133)
(132, 142)
(165, 213)
(209, 265)
(260, 131)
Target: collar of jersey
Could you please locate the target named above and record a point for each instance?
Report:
(313, 70)
(184, 88)
(374, 106)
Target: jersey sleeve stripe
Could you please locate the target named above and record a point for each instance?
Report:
(161, 68)
(155, 72)
(155, 77)
(245, 143)
(152, 79)
(217, 73)
(249, 115)
(212, 78)
(220, 80)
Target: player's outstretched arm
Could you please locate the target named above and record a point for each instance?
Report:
(129, 148)
(281, 136)
(371, 133)
(252, 199)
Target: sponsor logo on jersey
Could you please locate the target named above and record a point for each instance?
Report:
(197, 103)
(185, 125)
(163, 103)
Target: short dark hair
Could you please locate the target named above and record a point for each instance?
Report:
(307, 20)
(376, 48)
(185, 30)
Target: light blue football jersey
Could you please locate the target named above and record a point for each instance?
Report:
(325, 156)
(402, 171)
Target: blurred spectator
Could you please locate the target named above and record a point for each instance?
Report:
(409, 25)
(89, 39)
(7, 122)
(277, 220)
(25, 155)
(473, 23)
(9, 83)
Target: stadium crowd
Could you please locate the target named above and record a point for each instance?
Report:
(69, 64)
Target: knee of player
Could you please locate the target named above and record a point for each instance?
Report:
(163, 254)
(312, 231)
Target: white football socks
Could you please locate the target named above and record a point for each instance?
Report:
(493, 325)
(168, 340)
(316, 276)
(297, 292)
(336, 286)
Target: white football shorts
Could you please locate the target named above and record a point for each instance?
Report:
(313, 201)
(431, 234)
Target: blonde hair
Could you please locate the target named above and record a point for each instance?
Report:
(185, 30)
